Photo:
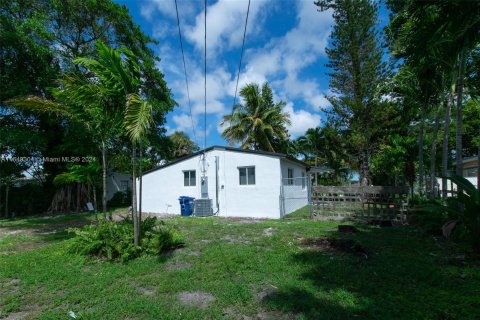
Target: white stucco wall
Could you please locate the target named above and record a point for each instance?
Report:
(163, 187)
(295, 196)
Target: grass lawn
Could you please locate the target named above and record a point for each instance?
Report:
(237, 269)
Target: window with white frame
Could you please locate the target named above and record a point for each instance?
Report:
(189, 178)
(246, 175)
(303, 181)
(290, 176)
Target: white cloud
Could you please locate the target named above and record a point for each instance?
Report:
(162, 30)
(167, 8)
(183, 122)
(301, 120)
(282, 59)
(225, 25)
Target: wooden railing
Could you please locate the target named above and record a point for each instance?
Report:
(370, 202)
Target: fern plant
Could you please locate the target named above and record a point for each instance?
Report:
(466, 208)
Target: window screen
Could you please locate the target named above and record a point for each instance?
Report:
(189, 178)
(290, 176)
(246, 175)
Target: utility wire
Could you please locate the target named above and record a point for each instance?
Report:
(205, 71)
(241, 57)
(185, 71)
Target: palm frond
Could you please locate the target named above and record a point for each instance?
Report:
(33, 103)
(138, 117)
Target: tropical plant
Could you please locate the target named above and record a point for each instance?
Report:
(439, 33)
(118, 74)
(114, 240)
(258, 123)
(465, 209)
(182, 145)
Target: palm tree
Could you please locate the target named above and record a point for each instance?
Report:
(119, 73)
(182, 144)
(259, 123)
(89, 99)
(309, 146)
(442, 33)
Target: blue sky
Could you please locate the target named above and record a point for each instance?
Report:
(285, 45)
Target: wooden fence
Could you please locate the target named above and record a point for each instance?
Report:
(368, 202)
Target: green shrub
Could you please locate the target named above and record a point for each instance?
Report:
(427, 214)
(430, 221)
(465, 209)
(120, 199)
(114, 240)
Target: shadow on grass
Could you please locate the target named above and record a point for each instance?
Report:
(403, 278)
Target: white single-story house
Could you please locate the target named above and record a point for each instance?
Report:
(240, 183)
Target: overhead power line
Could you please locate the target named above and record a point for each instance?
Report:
(241, 56)
(205, 71)
(185, 71)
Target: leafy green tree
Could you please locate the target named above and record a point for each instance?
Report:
(38, 41)
(116, 81)
(357, 70)
(88, 174)
(259, 123)
(182, 145)
(441, 32)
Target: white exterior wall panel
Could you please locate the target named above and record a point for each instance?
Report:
(295, 195)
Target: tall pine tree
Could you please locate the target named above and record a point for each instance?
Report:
(357, 71)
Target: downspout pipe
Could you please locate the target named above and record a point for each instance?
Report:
(216, 185)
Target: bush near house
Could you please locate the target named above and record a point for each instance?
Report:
(120, 199)
(113, 240)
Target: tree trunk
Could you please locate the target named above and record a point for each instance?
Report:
(458, 133)
(433, 156)
(140, 183)
(95, 201)
(77, 209)
(478, 165)
(7, 189)
(136, 233)
(446, 132)
(104, 181)
(316, 173)
(364, 170)
(421, 169)
(1, 199)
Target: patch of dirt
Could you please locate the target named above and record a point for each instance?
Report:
(230, 313)
(57, 227)
(336, 245)
(29, 312)
(147, 290)
(17, 315)
(10, 286)
(267, 291)
(197, 299)
(268, 232)
(275, 315)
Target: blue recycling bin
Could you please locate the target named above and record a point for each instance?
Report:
(186, 205)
